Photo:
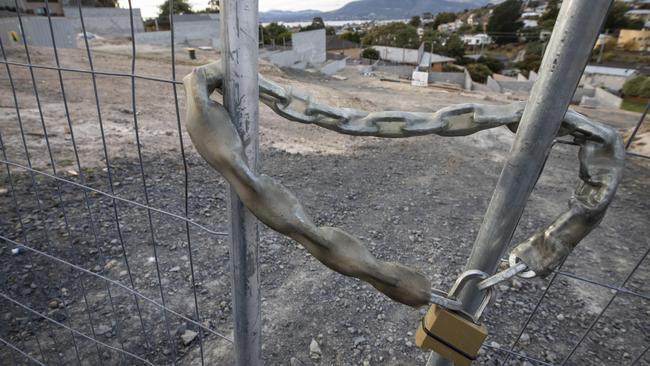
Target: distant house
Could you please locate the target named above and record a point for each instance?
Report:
(451, 27)
(479, 39)
(431, 61)
(545, 35)
(634, 40)
(531, 15)
(530, 23)
(640, 14)
(340, 46)
(611, 78)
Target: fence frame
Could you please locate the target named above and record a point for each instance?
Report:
(239, 18)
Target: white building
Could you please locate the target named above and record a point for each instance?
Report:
(531, 15)
(451, 27)
(480, 39)
(530, 23)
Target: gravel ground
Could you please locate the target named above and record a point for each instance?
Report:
(418, 201)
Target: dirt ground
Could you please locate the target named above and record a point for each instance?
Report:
(418, 201)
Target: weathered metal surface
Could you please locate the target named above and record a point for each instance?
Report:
(565, 58)
(239, 20)
(214, 136)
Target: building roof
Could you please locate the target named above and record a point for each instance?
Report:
(338, 43)
(408, 56)
(612, 71)
(638, 12)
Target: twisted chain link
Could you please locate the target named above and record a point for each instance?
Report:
(601, 159)
(456, 120)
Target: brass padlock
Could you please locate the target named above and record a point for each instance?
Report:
(454, 335)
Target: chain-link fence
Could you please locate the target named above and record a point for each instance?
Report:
(110, 253)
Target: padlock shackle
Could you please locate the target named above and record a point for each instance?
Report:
(462, 281)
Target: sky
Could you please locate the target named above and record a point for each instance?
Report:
(149, 8)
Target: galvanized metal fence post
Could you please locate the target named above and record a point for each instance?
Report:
(239, 28)
(566, 56)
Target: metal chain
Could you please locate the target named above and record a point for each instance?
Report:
(456, 120)
(601, 159)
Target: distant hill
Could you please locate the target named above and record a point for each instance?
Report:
(288, 16)
(376, 9)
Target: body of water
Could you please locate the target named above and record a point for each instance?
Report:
(337, 23)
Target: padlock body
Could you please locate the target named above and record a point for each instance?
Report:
(451, 335)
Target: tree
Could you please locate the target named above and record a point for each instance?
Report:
(504, 21)
(547, 20)
(316, 23)
(443, 18)
(454, 47)
(492, 63)
(274, 32)
(396, 34)
(353, 36)
(370, 53)
(434, 41)
(415, 21)
(445, 44)
(533, 58)
(479, 72)
(638, 86)
(616, 18)
(180, 7)
(213, 6)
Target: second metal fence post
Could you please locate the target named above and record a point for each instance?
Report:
(239, 30)
(566, 56)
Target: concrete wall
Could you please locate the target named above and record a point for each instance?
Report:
(309, 46)
(516, 86)
(581, 92)
(402, 71)
(493, 85)
(469, 83)
(154, 38)
(282, 58)
(194, 34)
(602, 99)
(106, 21)
(37, 31)
(611, 82)
(457, 78)
(198, 33)
(334, 67)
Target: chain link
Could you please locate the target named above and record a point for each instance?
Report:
(213, 134)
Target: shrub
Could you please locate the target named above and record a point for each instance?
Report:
(492, 63)
(479, 72)
(637, 86)
(370, 53)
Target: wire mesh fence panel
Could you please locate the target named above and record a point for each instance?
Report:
(109, 257)
(113, 229)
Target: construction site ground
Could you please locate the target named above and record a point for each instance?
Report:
(418, 201)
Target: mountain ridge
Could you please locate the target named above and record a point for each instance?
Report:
(375, 10)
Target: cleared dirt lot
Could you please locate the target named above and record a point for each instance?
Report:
(418, 201)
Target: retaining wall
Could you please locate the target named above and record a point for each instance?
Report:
(105, 21)
(309, 46)
(457, 78)
(334, 67)
(37, 31)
